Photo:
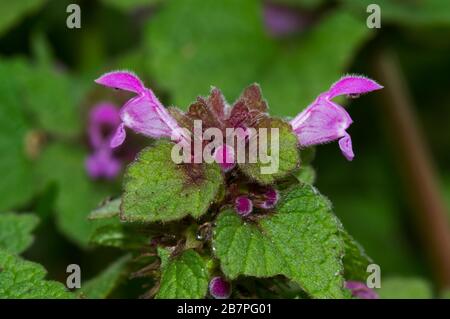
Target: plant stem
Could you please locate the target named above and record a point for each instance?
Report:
(415, 165)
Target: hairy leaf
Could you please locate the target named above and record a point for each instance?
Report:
(355, 259)
(300, 240)
(283, 162)
(15, 231)
(157, 189)
(184, 276)
(22, 279)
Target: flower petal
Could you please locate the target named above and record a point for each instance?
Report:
(102, 164)
(321, 122)
(118, 137)
(140, 114)
(102, 117)
(243, 205)
(220, 288)
(224, 156)
(360, 290)
(345, 144)
(351, 85)
(123, 80)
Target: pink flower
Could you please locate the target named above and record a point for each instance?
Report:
(224, 156)
(144, 113)
(103, 120)
(360, 290)
(271, 198)
(243, 205)
(219, 288)
(325, 121)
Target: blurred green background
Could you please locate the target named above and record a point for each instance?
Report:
(181, 48)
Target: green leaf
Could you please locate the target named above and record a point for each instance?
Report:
(118, 235)
(300, 240)
(198, 43)
(21, 279)
(285, 159)
(17, 183)
(306, 174)
(355, 259)
(128, 5)
(405, 288)
(102, 285)
(77, 194)
(109, 209)
(12, 12)
(184, 277)
(157, 189)
(15, 231)
(410, 13)
(54, 98)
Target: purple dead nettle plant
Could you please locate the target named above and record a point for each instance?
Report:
(102, 162)
(251, 198)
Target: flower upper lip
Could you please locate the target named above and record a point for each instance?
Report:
(324, 121)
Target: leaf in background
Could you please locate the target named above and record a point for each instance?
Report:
(12, 11)
(405, 288)
(22, 279)
(17, 183)
(117, 234)
(283, 163)
(15, 231)
(184, 277)
(128, 5)
(157, 189)
(102, 285)
(306, 4)
(410, 13)
(300, 240)
(355, 259)
(54, 98)
(197, 43)
(306, 174)
(77, 194)
(110, 209)
(33, 101)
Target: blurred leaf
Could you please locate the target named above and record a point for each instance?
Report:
(21, 279)
(34, 100)
(306, 174)
(307, 4)
(11, 12)
(195, 44)
(157, 189)
(15, 231)
(128, 5)
(102, 285)
(407, 12)
(300, 241)
(110, 209)
(405, 288)
(54, 98)
(118, 234)
(77, 194)
(184, 277)
(17, 183)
